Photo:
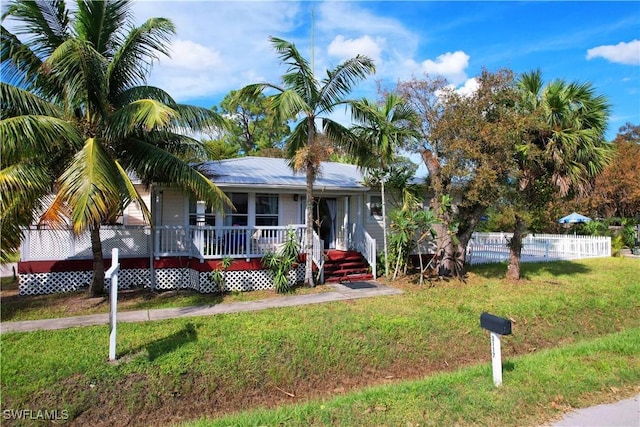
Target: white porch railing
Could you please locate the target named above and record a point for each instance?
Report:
(492, 247)
(366, 245)
(206, 242)
(135, 241)
(318, 255)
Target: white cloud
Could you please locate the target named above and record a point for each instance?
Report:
(188, 55)
(449, 65)
(469, 87)
(219, 46)
(348, 48)
(621, 53)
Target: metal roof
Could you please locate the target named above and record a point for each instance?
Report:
(273, 172)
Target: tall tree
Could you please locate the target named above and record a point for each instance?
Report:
(254, 128)
(616, 192)
(562, 150)
(466, 143)
(381, 130)
(302, 96)
(88, 66)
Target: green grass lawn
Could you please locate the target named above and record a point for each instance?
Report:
(576, 331)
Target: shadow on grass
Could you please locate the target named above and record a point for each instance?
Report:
(165, 345)
(530, 269)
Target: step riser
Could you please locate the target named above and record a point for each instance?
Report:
(345, 266)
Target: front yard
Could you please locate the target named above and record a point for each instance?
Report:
(576, 341)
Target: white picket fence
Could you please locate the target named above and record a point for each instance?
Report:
(484, 248)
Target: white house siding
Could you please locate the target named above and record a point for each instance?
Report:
(172, 208)
(132, 214)
(289, 209)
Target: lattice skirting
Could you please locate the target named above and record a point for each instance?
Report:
(166, 279)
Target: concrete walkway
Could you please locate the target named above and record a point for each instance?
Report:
(625, 413)
(341, 292)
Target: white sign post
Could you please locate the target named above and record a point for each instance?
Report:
(496, 359)
(112, 273)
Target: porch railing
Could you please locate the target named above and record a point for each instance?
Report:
(206, 242)
(362, 242)
(203, 242)
(318, 255)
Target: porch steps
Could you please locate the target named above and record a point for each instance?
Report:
(345, 266)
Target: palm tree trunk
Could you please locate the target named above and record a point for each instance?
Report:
(97, 284)
(515, 250)
(308, 249)
(384, 230)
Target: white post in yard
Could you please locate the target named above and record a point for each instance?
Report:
(496, 359)
(112, 273)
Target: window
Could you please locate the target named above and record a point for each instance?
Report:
(241, 214)
(266, 209)
(375, 207)
(201, 214)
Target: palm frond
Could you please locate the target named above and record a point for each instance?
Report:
(25, 136)
(143, 45)
(289, 103)
(45, 24)
(191, 118)
(298, 138)
(81, 68)
(341, 80)
(134, 93)
(153, 164)
(101, 23)
(20, 66)
(15, 101)
(130, 194)
(143, 115)
(90, 186)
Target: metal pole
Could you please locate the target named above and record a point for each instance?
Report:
(496, 359)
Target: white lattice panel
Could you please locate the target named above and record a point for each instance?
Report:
(171, 278)
(49, 283)
(166, 279)
(132, 278)
(49, 244)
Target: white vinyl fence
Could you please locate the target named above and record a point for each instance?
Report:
(487, 248)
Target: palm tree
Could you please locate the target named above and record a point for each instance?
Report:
(563, 149)
(302, 96)
(89, 67)
(380, 130)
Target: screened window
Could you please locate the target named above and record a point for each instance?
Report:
(267, 209)
(201, 214)
(241, 214)
(375, 207)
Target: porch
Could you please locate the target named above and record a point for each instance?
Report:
(171, 257)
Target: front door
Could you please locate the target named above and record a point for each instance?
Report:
(324, 220)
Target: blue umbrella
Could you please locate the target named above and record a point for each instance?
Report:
(574, 218)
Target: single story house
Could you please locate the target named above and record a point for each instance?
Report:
(189, 240)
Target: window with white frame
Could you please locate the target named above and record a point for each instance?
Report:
(239, 216)
(375, 207)
(267, 209)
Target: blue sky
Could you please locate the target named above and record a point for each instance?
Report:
(221, 45)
